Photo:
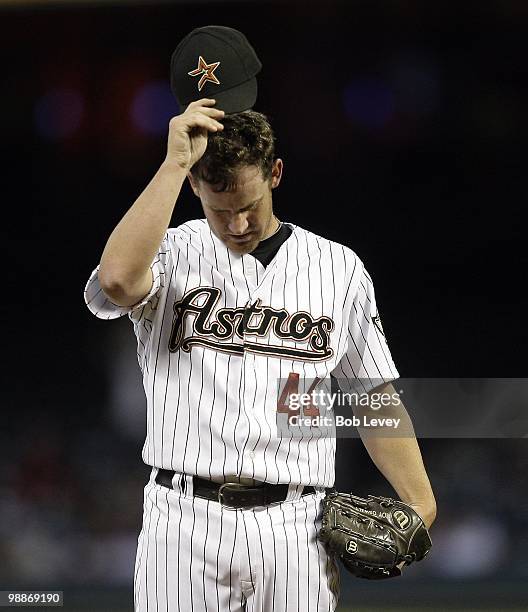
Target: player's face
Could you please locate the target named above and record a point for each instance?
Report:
(242, 217)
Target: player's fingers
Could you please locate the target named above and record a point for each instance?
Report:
(201, 120)
(210, 112)
(189, 121)
(201, 102)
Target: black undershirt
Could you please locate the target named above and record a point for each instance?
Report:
(267, 249)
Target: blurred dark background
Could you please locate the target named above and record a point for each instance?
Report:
(402, 125)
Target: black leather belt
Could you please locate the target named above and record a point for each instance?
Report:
(233, 494)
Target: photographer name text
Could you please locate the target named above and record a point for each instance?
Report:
(341, 421)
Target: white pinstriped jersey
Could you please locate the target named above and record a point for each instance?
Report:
(217, 334)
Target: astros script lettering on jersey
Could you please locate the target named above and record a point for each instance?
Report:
(219, 333)
(300, 326)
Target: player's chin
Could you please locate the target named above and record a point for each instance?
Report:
(243, 246)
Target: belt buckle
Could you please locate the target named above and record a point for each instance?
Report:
(236, 486)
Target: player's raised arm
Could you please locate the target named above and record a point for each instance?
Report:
(124, 274)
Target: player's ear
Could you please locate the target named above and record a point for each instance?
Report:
(194, 184)
(276, 172)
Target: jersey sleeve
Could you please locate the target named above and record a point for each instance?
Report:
(101, 306)
(367, 362)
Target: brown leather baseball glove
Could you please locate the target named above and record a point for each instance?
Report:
(373, 536)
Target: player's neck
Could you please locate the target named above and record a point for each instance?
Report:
(275, 226)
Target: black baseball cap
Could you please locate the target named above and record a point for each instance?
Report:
(215, 62)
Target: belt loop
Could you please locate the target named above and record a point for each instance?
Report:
(183, 484)
(186, 485)
(294, 492)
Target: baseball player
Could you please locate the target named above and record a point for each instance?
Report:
(228, 311)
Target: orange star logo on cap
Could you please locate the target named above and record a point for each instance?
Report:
(207, 72)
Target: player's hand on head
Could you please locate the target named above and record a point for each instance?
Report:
(188, 132)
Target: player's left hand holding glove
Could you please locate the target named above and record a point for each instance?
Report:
(373, 537)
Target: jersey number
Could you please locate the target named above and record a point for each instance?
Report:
(292, 387)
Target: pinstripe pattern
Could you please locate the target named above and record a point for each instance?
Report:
(211, 413)
(259, 559)
(212, 408)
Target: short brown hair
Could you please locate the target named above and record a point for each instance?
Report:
(246, 140)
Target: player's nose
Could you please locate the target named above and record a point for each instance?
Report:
(238, 224)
